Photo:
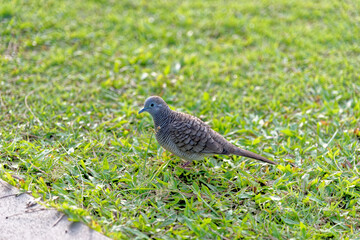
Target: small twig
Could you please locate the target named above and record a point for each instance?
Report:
(28, 136)
(348, 164)
(176, 227)
(28, 211)
(17, 177)
(38, 169)
(27, 106)
(292, 164)
(59, 219)
(10, 195)
(221, 236)
(14, 194)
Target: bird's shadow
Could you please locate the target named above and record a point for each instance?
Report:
(192, 173)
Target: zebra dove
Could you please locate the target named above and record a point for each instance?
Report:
(187, 136)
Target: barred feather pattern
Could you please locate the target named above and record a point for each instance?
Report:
(190, 138)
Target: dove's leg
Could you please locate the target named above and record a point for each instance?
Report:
(184, 166)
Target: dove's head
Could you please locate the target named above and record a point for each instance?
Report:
(155, 105)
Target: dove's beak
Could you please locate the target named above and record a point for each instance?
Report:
(143, 110)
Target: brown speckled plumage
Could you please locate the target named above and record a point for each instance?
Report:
(187, 136)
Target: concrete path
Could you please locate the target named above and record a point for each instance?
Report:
(20, 219)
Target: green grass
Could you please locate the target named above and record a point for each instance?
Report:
(280, 78)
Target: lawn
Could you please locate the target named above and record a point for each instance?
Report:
(279, 78)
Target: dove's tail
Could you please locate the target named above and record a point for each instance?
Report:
(245, 153)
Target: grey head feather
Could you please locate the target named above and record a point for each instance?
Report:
(158, 109)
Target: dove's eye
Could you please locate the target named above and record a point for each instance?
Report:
(151, 105)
